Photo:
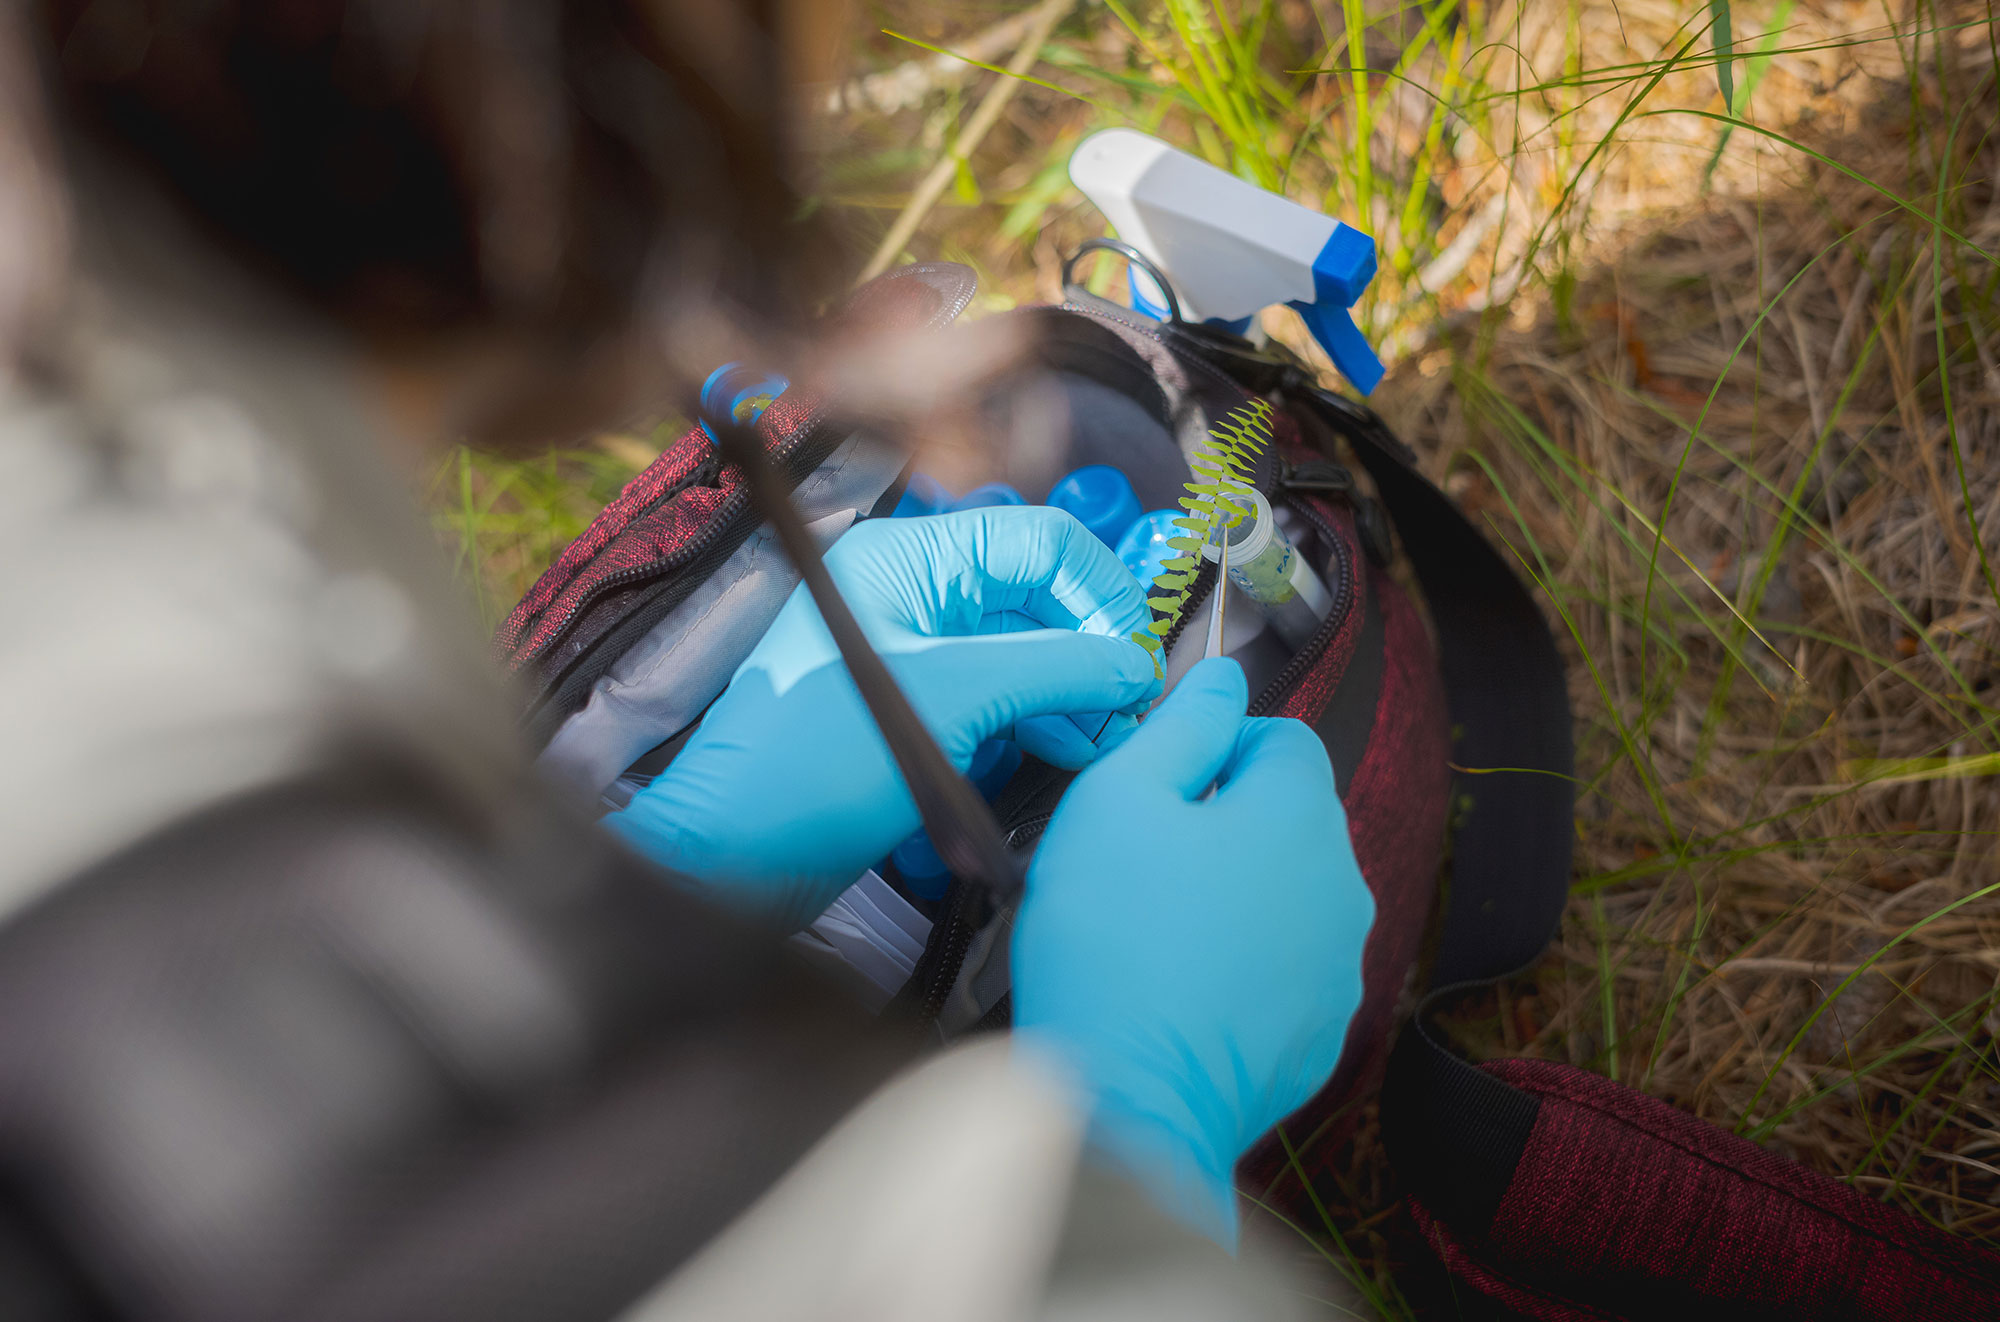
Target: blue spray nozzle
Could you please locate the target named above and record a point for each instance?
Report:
(1341, 273)
(1343, 341)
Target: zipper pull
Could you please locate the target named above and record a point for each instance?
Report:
(1315, 475)
(1370, 522)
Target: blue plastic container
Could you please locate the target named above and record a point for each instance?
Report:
(987, 494)
(923, 495)
(923, 872)
(993, 765)
(917, 862)
(1144, 547)
(1101, 499)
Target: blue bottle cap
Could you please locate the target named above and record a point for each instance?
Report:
(1144, 547)
(740, 393)
(993, 765)
(922, 871)
(990, 493)
(1101, 499)
(916, 859)
(923, 495)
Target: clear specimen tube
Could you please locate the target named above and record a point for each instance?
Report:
(1265, 566)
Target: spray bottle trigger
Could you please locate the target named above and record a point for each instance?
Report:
(1336, 332)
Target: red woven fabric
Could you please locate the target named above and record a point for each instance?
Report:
(652, 522)
(517, 638)
(1624, 1207)
(1396, 804)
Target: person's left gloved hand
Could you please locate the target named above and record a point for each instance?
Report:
(993, 621)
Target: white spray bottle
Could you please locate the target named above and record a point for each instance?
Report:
(1228, 247)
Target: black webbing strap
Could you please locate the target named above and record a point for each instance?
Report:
(1454, 1132)
(1509, 702)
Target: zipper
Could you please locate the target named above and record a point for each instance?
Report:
(796, 458)
(1190, 355)
(732, 506)
(958, 936)
(950, 962)
(1309, 655)
(1029, 831)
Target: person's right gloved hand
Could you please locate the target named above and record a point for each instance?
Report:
(1195, 961)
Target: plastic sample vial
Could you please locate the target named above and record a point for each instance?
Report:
(1268, 570)
(1101, 499)
(1144, 547)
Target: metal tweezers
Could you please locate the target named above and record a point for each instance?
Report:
(1213, 647)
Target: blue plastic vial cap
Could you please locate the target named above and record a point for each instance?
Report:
(1100, 498)
(740, 393)
(1144, 547)
(922, 871)
(990, 493)
(923, 495)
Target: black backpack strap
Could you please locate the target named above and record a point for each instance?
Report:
(1456, 1133)
(1509, 702)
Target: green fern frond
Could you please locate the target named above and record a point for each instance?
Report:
(1219, 497)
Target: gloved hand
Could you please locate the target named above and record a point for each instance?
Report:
(993, 620)
(1195, 962)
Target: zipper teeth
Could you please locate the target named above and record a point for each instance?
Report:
(725, 513)
(1028, 831)
(951, 956)
(724, 518)
(1309, 655)
(1189, 354)
(951, 962)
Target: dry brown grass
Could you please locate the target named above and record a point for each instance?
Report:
(1783, 919)
(1742, 846)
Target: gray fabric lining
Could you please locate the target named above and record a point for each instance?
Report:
(667, 679)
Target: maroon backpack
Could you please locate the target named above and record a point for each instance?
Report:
(1552, 1191)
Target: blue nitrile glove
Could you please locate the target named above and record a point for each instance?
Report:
(993, 620)
(1196, 962)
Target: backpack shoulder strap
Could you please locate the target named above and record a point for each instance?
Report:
(1509, 703)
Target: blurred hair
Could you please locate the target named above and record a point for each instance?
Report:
(421, 166)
